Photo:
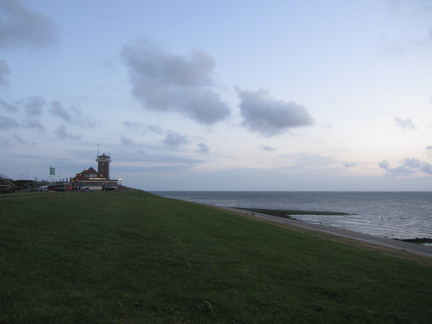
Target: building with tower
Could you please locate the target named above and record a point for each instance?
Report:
(96, 180)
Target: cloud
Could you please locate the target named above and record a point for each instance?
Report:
(384, 164)
(20, 141)
(7, 123)
(268, 116)
(268, 148)
(58, 110)
(4, 71)
(426, 167)
(402, 170)
(143, 128)
(62, 133)
(135, 126)
(34, 105)
(7, 106)
(20, 25)
(167, 82)
(126, 140)
(202, 148)
(156, 129)
(408, 167)
(405, 123)
(71, 115)
(350, 164)
(34, 124)
(174, 139)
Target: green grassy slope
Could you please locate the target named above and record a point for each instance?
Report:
(132, 257)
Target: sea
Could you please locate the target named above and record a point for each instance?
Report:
(393, 215)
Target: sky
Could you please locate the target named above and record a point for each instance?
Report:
(220, 95)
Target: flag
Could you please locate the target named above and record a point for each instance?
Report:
(52, 171)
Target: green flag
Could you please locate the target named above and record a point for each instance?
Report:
(52, 171)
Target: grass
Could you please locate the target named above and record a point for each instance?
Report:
(132, 257)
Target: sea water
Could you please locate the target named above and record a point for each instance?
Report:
(398, 215)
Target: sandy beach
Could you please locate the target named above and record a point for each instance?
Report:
(395, 245)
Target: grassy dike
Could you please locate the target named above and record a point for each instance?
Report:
(133, 257)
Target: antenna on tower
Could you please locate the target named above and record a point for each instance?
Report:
(98, 150)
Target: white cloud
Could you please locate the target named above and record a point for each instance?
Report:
(268, 116)
(168, 82)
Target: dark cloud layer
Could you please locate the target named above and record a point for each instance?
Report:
(167, 82)
(268, 116)
(20, 25)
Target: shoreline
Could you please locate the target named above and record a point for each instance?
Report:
(289, 214)
(397, 245)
